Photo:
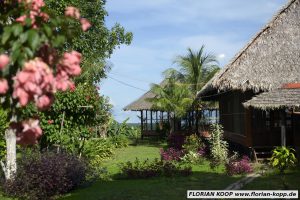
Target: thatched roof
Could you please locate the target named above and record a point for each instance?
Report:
(279, 98)
(141, 103)
(269, 60)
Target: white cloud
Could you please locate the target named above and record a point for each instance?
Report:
(221, 56)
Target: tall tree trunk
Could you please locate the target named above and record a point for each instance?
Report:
(10, 167)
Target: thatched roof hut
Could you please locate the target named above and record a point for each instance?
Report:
(141, 103)
(268, 61)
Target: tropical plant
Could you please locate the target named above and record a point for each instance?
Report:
(218, 146)
(283, 158)
(173, 97)
(193, 143)
(196, 68)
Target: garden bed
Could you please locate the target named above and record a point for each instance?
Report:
(202, 177)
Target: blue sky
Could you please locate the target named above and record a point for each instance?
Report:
(164, 29)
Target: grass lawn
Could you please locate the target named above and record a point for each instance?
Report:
(274, 181)
(155, 188)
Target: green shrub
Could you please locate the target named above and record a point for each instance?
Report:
(193, 143)
(192, 157)
(147, 169)
(218, 146)
(283, 158)
(119, 141)
(98, 148)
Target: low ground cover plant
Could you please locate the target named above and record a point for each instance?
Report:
(147, 169)
(45, 175)
(171, 154)
(237, 166)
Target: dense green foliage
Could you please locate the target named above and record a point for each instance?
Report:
(3, 126)
(73, 118)
(283, 158)
(99, 42)
(171, 96)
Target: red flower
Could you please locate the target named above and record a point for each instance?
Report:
(50, 121)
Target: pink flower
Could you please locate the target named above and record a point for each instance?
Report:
(3, 86)
(72, 87)
(85, 24)
(72, 12)
(70, 63)
(35, 82)
(28, 132)
(21, 19)
(44, 101)
(4, 60)
(50, 121)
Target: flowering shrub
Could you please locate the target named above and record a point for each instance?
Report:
(241, 166)
(33, 61)
(171, 154)
(147, 169)
(41, 176)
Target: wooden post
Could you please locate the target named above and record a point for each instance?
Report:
(283, 128)
(151, 120)
(142, 124)
(146, 121)
(248, 127)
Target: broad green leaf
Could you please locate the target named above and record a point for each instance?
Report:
(33, 39)
(6, 34)
(17, 29)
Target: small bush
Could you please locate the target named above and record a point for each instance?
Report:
(98, 148)
(192, 157)
(175, 140)
(193, 143)
(283, 158)
(147, 169)
(236, 166)
(218, 146)
(119, 141)
(42, 176)
(171, 154)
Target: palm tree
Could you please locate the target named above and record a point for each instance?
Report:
(196, 68)
(172, 97)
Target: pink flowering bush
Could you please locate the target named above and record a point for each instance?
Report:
(171, 154)
(239, 166)
(34, 63)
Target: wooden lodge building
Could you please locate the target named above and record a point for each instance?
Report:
(259, 91)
